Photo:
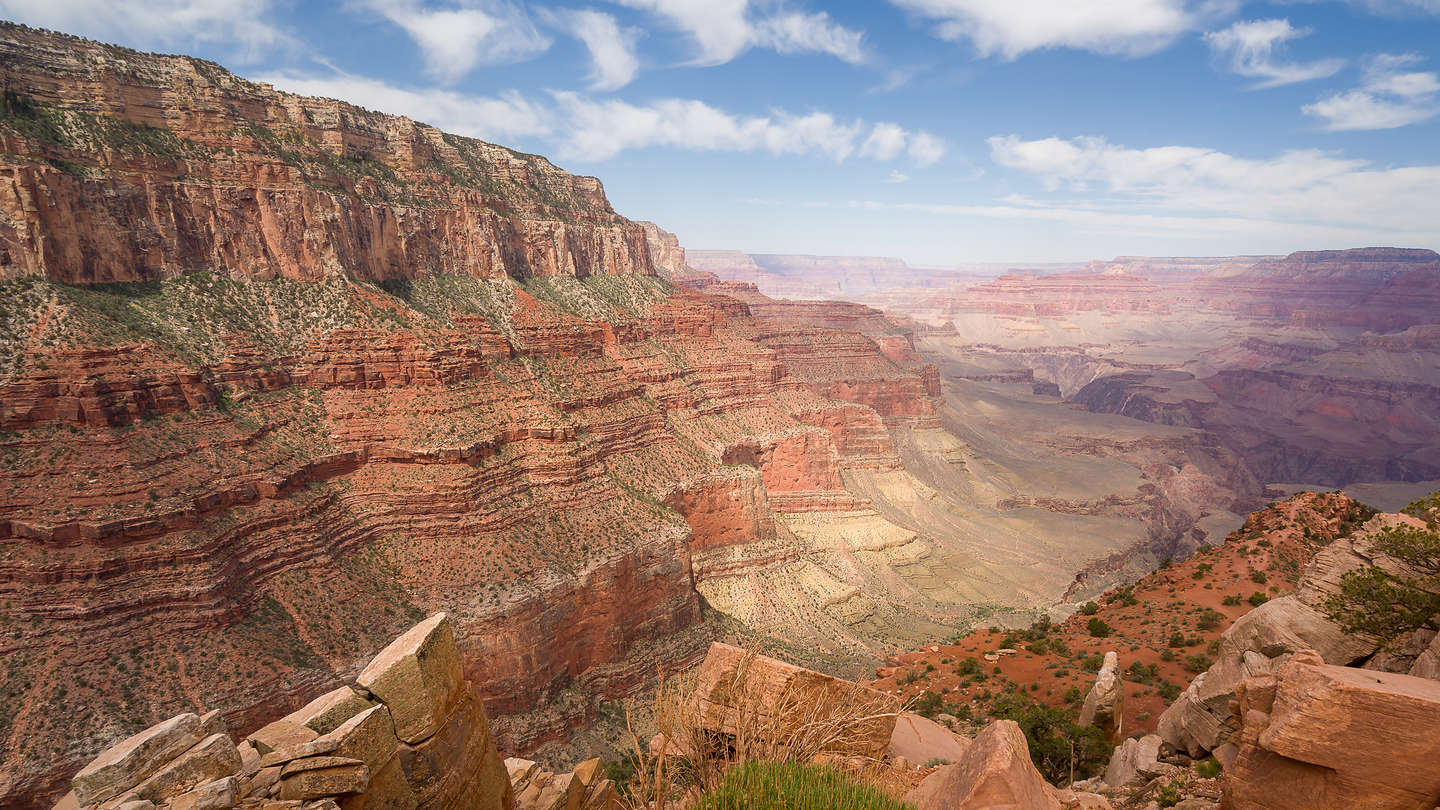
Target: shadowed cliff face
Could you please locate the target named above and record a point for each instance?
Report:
(199, 168)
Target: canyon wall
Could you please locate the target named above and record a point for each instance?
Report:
(345, 370)
(200, 168)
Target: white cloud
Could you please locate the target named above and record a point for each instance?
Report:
(724, 29)
(502, 118)
(897, 176)
(1297, 187)
(158, 23)
(926, 149)
(1389, 97)
(886, 142)
(600, 129)
(1251, 45)
(456, 37)
(1010, 28)
(612, 48)
(796, 32)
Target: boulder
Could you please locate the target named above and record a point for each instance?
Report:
(280, 735)
(216, 795)
(388, 790)
(1339, 736)
(418, 678)
(325, 713)
(921, 740)
(368, 736)
(320, 777)
(214, 757)
(1104, 706)
(128, 764)
(458, 764)
(733, 686)
(995, 774)
(1131, 760)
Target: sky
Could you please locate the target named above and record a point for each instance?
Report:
(940, 131)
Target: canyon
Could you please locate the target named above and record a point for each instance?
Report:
(281, 376)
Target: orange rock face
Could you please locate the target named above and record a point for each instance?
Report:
(200, 168)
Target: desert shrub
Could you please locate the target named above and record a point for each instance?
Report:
(968, 666)
(1209, 619)
(792, 786)
(1257, 599)
(1375, 602)
(1097, 627)
(1058, 745)
(1258, 577)
(1089, 609)
(1208, 768)
(1197, 663)
(1231, 600)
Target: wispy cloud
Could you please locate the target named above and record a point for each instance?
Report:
(1252, 49)
(456, 37)
(577, 126)
(1296, 187)
(1010, 28)
(1389, 97)
(614, 62)
(724, 29)
(600, 129)
(160, 23)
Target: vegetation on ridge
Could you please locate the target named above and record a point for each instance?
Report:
(1388, 605)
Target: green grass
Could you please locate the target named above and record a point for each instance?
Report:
(791, 786)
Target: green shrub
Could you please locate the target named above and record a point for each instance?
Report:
(1089, 609)
(1208, 768)
(792, 786)
(1257, 599)
(1097, 627)
(1375, 602)
(1054, 738)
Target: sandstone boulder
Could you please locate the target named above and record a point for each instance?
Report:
(214, 757)
(322, 777)
(418, 678)
(1132, 760)
(995, 774)
(1338, 736)
(280, 735)
(126, 765)
(457, 765)
(1104, 706)
(772, 699)
(325, 713)
(921, 740)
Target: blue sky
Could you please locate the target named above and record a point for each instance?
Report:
(940, 131)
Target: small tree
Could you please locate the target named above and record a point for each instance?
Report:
(1375, 602)
(1097, 627)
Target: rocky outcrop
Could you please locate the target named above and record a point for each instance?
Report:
(212, 170)
(740, 693)
(995, 774)
(922, 741)
(1104, 705)
(410, 734)
(1201, 719)
(584, 788)
(1337, 736)
(1134, 761)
